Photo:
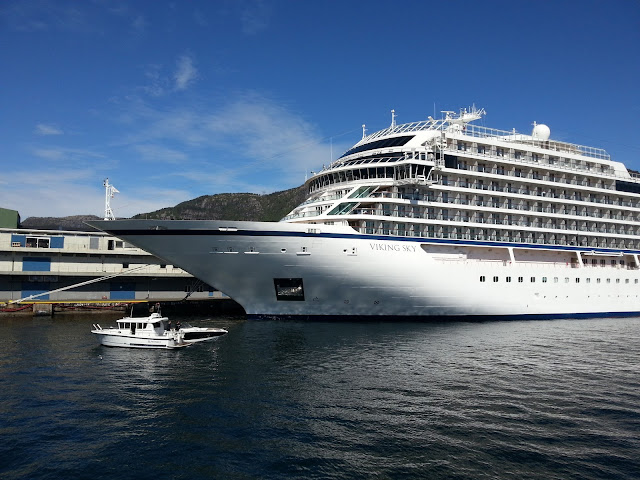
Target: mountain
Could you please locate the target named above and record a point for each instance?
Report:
(233, 206)
(222, 206)
(72, 223)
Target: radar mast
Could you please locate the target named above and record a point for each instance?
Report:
(109, 193)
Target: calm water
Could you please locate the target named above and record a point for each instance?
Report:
(535, 400)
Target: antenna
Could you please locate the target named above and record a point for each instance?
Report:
(109, 192)
(393, 118)
(364, 131)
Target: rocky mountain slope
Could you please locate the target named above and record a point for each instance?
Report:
(223, 206)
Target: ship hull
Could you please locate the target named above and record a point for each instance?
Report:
(304, 271)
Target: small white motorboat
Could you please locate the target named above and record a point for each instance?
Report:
(199, 334)
(153, 331)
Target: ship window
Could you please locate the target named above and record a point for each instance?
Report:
(566, 279)
(626, 280)
(533, 279)
(289, 289)
(508, 279)
(495, 279)
(482, 278)
(385, 143)
(597, 280)
(608, 280)
(520, 279)
(544, 279)
(617, 280)
(555, 279)
(577, 280)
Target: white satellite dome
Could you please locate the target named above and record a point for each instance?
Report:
(540, 131)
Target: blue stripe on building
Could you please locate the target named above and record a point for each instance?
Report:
(36, 264)
(122, 291)
(35, 288)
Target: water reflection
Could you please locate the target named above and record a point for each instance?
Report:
(555, 399)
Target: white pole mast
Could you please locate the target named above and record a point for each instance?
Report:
(109, 192)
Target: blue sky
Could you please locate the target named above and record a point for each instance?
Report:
(173, 100)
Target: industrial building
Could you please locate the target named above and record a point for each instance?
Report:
(41, 264)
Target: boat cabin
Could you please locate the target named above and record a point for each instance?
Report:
(154, 325)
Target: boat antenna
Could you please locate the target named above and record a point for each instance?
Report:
(109, 193)
(364, 131)
(393, 118)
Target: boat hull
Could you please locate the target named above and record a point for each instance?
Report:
(113, 339)
(201, 334)
(284, 270)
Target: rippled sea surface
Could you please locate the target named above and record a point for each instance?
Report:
(532, 399)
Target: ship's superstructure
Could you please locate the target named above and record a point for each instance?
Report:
(433, 218)
(452, 179)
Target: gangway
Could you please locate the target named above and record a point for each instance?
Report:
(81, 284)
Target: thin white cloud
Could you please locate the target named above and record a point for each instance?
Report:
(160, 154)
(44, 129)
(65, 153)
(186, 73)
(80, 192)
(252, 138)
(139, 24)
(255, 17)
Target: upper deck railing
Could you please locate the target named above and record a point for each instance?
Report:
(477, 131)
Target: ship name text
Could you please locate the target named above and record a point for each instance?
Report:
(390, 247)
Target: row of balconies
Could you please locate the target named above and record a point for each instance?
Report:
(468, 233)
(498, 219)
(547, 193)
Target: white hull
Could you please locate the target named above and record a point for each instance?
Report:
(366, 276)
(201, 334)
(140, 332)
(112, 339)
(431, 219)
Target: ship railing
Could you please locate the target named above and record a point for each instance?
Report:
(606, 243)
(328, 198)
(301, 215)
(478, 131)
(497, 220)
(531, 160)
(406, 128)
(537, 193)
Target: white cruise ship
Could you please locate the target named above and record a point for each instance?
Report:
(433, 219)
